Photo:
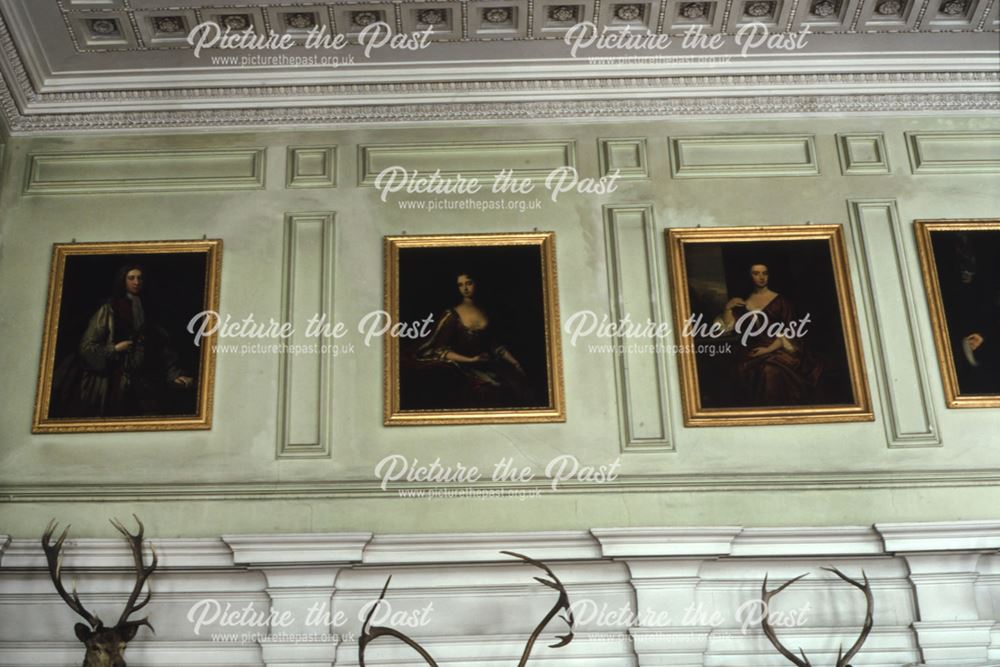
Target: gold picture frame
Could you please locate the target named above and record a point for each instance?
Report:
(957, 361)
(506, 366)
(109, 362)
(812, 375)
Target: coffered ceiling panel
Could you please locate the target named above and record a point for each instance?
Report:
(134, 63)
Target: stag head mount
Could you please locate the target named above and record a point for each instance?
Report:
(370, 633)
(105, 645)
(843, 660)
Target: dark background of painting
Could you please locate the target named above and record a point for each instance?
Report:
(508, 288)
(173, 293)
(802, 271)
(973, 307)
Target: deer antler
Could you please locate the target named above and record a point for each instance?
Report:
(842, 660)
(865, 588)
(142, 573)
(765, 622)
(53, 555)
(562, 604)
(370, 633)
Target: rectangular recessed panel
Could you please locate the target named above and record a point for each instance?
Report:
(527, 159)
(640, 371)
(311, 167)
(746, 155)
(954, 152)
(909, 415)
(626, 156)
(145, 171)
(305, 369)
(862, 154)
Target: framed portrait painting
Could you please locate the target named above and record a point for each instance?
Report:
(961, 266)
(116, 351)
(767, 326)
(480, 330)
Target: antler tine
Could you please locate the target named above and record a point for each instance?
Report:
(370, 633)
(142, 573)
(765, 622)
(53, 557)
(149, 593)
(371, 612)
(562, 604)
(768, 596)
(866, 588)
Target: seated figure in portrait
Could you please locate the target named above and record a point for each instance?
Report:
(480, 372)
(770, 370)
(124, 363)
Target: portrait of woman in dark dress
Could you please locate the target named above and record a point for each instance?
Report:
(479, 370)
(479, 336)
(771, 370)
(770, 326)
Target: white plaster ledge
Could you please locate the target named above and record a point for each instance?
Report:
(157, 653)
(115, 553)
(954, 642)
(665, 542)
(673, 647)
(294, 549)
(299, 653)
(837, 541)
(480, 547)
(940, 536)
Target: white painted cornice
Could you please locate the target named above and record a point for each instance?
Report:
(933, 72)
(292, 549)
(840, 541)
(157, 652)
(466, 547)
(638, 542)
(496, 649)
(477, 578)
(940, 536)
(115, 553)
(292, 581)
(238, 84)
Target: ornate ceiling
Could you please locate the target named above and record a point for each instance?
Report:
(100, 64)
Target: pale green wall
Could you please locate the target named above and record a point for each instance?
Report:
(715, 476)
